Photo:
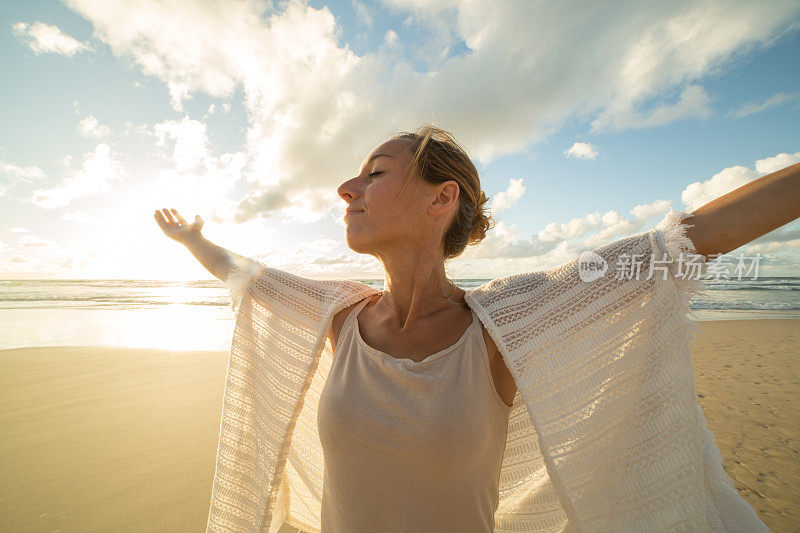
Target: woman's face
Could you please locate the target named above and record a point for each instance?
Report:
(377, 220)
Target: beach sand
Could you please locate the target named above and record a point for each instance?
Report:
(99, 439)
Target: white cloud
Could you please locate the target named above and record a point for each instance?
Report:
(636, 57)
(693, 103)
(503, 242)
(26, 174)
(751, 108)
(773, 247)
(362, 12)
(609, 224)
(645, 211)
(777, 162)
(505, 199)
(190, 138)
(90, 127)
(143, 130)
(78, 216)
(559, 242)
(315, 108)
(390, 37)
(206, 187)
(193, 45)
(582, 151)
(42, 38)
(196, 176)
(25, 252)
(555, 231)
(700, 193)
(32, 241)
(98, 172)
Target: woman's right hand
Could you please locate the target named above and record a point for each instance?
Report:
(175, 227)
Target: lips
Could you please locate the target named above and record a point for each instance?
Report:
(351, 211)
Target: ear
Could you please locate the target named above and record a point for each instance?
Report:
(446, 196)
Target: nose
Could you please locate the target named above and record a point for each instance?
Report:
(346, 190)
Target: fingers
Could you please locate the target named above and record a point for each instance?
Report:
(164, 219)
(169, 216)
(180, 218)
(159, 218)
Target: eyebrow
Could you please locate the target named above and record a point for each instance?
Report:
(376, 156)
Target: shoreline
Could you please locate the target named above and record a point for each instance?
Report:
(176, 327)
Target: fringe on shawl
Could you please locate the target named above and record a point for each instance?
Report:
(672, 238)
(727, 511)
(240, 272)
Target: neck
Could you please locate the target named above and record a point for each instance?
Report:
(416, 287)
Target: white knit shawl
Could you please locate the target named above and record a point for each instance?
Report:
(605, 432)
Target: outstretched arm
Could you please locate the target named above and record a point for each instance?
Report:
(215, 259)
(746, 213)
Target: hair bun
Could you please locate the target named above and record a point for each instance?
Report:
(481, 224)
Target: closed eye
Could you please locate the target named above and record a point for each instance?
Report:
(375, 173)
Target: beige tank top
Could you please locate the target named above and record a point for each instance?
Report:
(410, 446)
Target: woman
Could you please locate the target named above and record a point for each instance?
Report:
(415, 409)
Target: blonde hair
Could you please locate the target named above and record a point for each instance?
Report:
(439, 158)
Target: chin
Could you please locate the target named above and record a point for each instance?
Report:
(359, 249)
(355, 244)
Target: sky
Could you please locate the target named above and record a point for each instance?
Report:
(587, 123)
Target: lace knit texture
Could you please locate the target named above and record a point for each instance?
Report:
(605, 432)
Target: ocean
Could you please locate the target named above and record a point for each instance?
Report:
(196, 315)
